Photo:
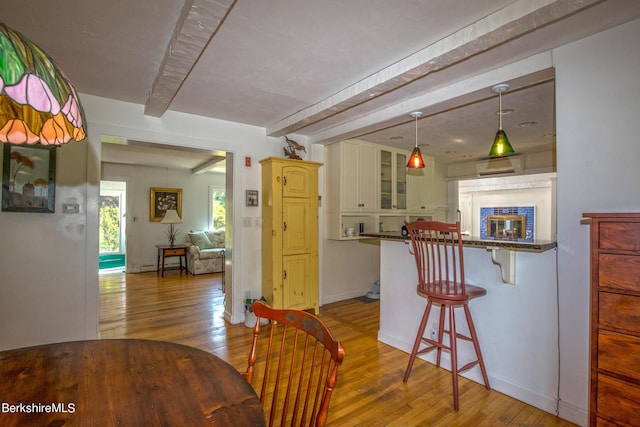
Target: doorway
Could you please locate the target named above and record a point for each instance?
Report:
(112, 227)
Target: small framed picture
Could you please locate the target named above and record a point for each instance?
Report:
(163, 199)
(28, 178)
(252, 197)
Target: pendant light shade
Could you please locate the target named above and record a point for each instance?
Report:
(501, 146)
(38, 105)
(415, 160)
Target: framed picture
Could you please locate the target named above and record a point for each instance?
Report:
(252, 197)
(163, 199)
(28, 178)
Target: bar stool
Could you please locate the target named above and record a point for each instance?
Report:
(437, 248)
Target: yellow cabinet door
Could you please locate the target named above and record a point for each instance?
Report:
(296, 277)
(296, 231)
(295, 182)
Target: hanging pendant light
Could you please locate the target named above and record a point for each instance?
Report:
(38, 104)
(415, 160)
(501, 146)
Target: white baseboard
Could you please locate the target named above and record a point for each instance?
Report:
(573, 413)
(149, 267)
(328, 299)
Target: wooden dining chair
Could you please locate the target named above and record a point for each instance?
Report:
(437, 248)
(296, 361)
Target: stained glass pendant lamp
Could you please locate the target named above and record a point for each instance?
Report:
(38, 104)
(415, 160)
(501, 146)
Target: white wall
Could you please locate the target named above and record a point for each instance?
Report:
(42, 263)
(143, 234)
(349, 268)
(597, 105)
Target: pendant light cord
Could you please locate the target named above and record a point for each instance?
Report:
(416, 130)
(500, 111)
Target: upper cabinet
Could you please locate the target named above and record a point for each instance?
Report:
(393, 180)
(421, 188)
(353, 177)
(369, 189)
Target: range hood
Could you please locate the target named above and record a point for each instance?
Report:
(500, 166)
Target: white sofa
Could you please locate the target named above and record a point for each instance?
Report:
(206, 251)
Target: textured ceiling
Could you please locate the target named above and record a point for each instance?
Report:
(326, 70)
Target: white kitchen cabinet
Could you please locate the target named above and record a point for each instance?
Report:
(352, 176)
(393, 180)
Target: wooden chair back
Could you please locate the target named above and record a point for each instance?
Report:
(437, 248)
(296, 361)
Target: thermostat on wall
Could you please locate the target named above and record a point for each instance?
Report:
(70, 208)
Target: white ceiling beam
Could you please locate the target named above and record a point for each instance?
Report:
(203, 167)
(506, 24)
(196, 26)
(525, 72)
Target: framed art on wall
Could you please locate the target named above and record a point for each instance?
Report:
(252, 197)
(28, 178)
(163, 199)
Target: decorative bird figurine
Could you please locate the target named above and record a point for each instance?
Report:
(290, 151)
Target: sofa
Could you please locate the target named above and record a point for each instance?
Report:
(206, 251)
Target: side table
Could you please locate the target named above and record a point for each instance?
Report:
(166, 251)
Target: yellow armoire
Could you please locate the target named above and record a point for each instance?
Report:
(290, 233)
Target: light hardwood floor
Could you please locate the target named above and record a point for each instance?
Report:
(188, 310)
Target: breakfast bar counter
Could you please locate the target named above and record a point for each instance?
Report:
(471, 241)
(517, 322)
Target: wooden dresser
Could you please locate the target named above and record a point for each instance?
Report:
(614, 397)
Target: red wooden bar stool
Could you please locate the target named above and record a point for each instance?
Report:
(437, 248)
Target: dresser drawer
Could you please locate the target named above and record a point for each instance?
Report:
(624, 236)
(601, 422)
(619, 353)
(619, 271)
(619, 311)
(618, 400)
(175, 252)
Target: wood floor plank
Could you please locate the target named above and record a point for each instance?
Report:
(189, 310)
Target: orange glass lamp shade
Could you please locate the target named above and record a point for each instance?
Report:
(38, 104)
(415, 160)
(501, 146)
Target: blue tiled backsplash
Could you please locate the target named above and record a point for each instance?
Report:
(529, 211)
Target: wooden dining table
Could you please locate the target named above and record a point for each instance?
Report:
(123, 382)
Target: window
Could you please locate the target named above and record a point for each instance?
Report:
(218, 209)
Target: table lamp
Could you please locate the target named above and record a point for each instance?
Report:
(171, 217)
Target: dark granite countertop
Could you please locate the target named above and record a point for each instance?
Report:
(474, 241)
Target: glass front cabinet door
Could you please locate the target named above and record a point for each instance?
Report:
(393, 180)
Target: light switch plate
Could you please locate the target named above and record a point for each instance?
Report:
(246, 221)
